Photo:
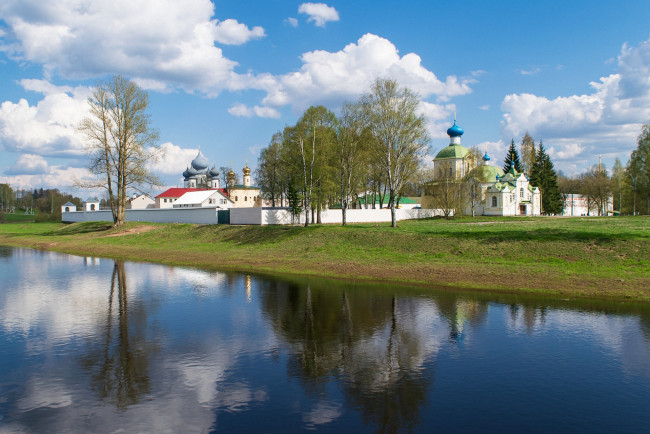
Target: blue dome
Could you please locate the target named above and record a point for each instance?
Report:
(200, 162)
(455, 131)
(486, 157)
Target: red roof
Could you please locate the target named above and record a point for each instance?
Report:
(178, 192)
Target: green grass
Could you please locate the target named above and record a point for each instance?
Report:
(587, 257)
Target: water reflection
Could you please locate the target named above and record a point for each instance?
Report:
(101, 346)
(119, 370)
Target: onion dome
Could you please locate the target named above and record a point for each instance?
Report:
(231, 174)
(247, 170)
(486, 157)
(213, 172)
(200, 162)
(455, 131)
(191, 172)
(186, 173)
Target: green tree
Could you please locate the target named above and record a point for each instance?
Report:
(543, 175)
(121, 144)
(351, 141)
(271, 176)
(618, 184)
(512, 159)
(638, 173)
(398, 134)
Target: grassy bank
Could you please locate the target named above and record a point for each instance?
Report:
(577, 257)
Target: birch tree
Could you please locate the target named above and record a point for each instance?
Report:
(398, 133)
(120, 144)
(349, 148)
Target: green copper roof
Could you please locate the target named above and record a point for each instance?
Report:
(452, 151)
(487, 173)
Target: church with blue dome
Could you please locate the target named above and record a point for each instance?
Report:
(464, 183)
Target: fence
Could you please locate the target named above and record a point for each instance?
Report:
(247, 216)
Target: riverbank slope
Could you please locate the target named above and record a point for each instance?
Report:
(569, 257)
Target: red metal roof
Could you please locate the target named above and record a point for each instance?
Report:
(178, 192)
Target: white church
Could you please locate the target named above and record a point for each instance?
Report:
(501, 194)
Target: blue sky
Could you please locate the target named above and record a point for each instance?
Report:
(225, 75)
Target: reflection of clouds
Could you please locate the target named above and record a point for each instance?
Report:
(618, 335)
(45, 393)
(417, 337)
(323, 413)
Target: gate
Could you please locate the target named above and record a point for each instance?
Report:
(223, 216)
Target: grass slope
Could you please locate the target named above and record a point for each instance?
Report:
(586, 257)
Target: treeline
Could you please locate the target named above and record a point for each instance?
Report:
(371, 151)
(45, 202)
(628, 185)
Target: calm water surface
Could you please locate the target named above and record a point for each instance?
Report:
(96, 345)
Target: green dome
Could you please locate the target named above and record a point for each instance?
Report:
(452, 151)
(487, 173)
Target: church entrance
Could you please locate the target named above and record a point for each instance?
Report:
(522, 209)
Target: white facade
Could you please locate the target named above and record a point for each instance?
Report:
(141, 201)
(91, 205)
(511, 196)
(578, 205)
(203, 198)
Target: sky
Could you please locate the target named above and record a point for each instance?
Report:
(224, 76)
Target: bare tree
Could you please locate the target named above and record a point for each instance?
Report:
(527, 152)
(120, 142)
(398, 133)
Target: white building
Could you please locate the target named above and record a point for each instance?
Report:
(203, 198)
(501, 194)
(579, 205)
(68, 207)
(142, 201)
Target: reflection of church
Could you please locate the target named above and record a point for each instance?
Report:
(504, 194)
(198, 177)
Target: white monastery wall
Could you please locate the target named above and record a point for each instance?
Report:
(248, 216)
(153, 215)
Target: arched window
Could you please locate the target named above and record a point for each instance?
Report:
(92, 207)
(245, 198)
(521, 193)
(451, 171)
(236, 198)
(494, 201)
(67, 209)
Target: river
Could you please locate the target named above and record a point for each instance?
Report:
(99, 345)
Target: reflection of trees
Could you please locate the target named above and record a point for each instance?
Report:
(120, 366)
(373, 341)
(6, 252)
(460, 311)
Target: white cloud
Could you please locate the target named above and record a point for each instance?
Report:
(485, 107)
(496, 151)
(532, 71)
(291, 21)
(154, 41)
(579, 127)
(54, 177)
(437, 116)
(174, 159)
(48, 128)
(241, 110)
(232, 32)
(332, 77)
(319, 13)
(28, 164)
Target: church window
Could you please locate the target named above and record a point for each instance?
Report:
(521, 193)
(245, 198)
(236, 198)
(494, 201)
(451, 171)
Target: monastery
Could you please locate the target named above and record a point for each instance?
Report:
(201, 188)
(501, 194)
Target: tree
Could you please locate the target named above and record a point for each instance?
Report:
(543, 175)
(512, 159)
(618, 184)
(596, 186)
(350, 135)
(295, 200)
(638, 173)
(527, 152)
(121, 143)
(398, 133)
(271, 175)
